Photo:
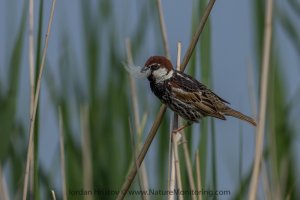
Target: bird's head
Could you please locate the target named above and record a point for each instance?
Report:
(158, 68)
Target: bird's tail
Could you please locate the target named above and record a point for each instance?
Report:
(237, 114)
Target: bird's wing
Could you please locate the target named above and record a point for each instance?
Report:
(190, 84)
(198, 100)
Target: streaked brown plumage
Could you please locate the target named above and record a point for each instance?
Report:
(185, 95)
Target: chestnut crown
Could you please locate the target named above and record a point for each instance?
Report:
(155, 62)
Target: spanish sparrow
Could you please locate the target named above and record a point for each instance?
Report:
(186, 96)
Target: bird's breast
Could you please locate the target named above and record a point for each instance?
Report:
(160, 90)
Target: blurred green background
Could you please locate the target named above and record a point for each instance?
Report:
(85, 80)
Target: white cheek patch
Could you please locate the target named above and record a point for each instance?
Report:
(162, 74)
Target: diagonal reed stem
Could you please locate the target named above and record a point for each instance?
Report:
(196, 36)
(133, 171)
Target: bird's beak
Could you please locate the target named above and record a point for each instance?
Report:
(145, 69)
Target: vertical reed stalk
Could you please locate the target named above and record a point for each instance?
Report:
(3, 187)
(62, 155)
(36, 98)
(31, 79)
(176, 137)
(198, 173)
(137, 122)
(263, 100)
(174, 170)
(188, 164)
(172, 176)
(31, 54)
(163, 28)
(185, 146)
(86, 151)
(53, 195)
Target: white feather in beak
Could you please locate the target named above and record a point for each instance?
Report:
(137, 71)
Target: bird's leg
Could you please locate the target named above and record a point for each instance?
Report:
(183, 127)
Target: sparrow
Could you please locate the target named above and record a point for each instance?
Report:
(186, 96)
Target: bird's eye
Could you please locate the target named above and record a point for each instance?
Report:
(154, 67)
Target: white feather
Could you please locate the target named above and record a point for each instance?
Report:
(135, 71)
